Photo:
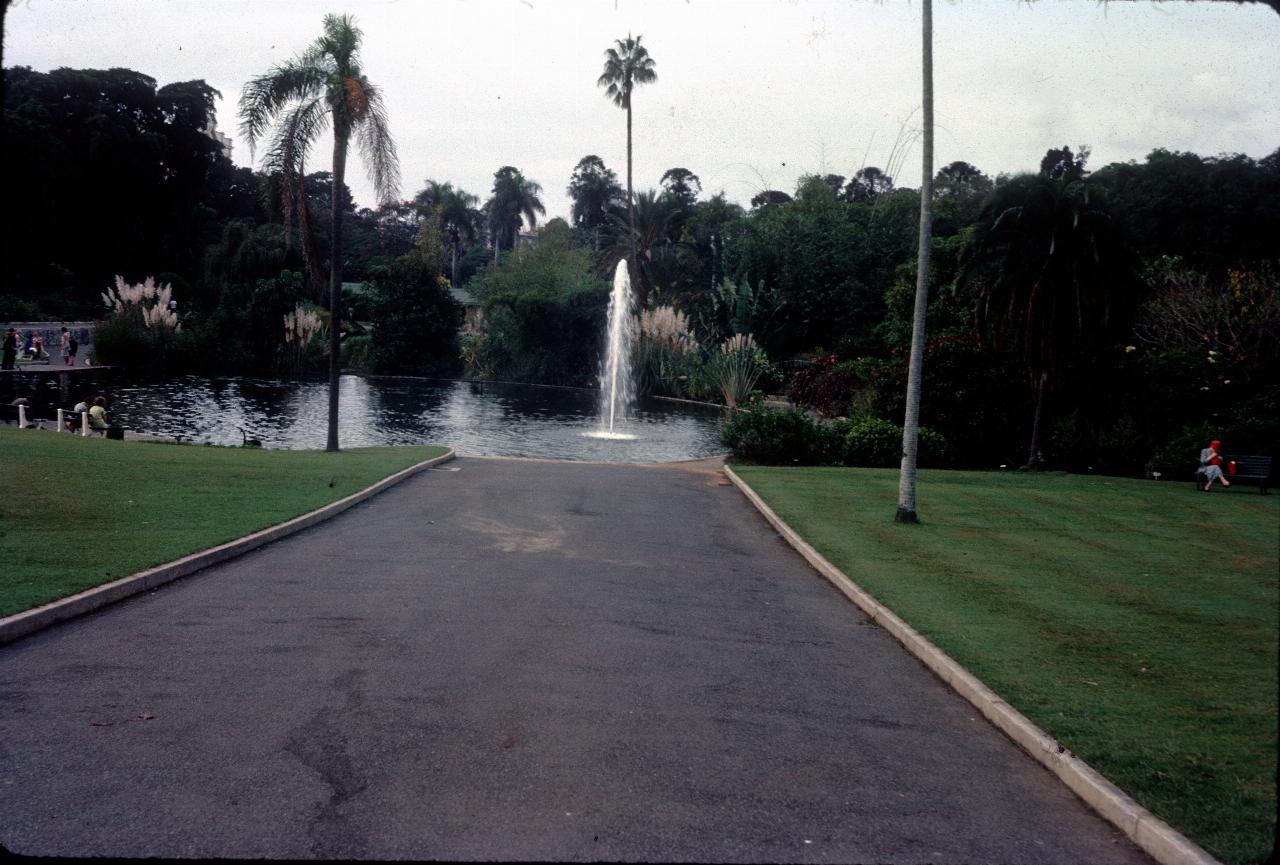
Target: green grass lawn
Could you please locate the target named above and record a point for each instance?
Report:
(1135, 621)
(78, 512)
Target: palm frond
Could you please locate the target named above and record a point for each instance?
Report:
(342, 41)
(295, 134)
(373, 136)
(265, 96)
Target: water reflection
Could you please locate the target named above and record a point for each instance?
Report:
(500, 420)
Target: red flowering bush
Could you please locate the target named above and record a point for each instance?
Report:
(826, 386)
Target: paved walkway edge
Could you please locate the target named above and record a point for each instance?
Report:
(29, 621)
(1164, 843)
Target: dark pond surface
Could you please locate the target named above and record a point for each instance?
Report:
(500, 420)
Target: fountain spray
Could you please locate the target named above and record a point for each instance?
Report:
(617, 393)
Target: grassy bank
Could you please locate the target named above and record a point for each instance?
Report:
(1135, 621)
(78, 512)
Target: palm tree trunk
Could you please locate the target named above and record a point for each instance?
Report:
(715, 263)
(631, 206)
(453, 279)
(335, 280)
(911, 422)
(1034, 459)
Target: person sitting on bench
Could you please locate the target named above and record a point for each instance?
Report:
(1211, 465)
(98, 415)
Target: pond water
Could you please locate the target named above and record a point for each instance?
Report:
(498, 420)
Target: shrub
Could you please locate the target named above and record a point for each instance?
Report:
(932, 449)
(838, 389)
(785, 437)
(872, 442)
(805, 381)
(833, 388)
(790, 437)
(120, 342)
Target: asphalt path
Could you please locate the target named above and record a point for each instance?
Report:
(515, 660)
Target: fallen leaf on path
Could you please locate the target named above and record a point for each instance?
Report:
(510, 742)
(101, 723)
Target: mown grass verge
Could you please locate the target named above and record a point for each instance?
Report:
(78, 512)
(1135, 621)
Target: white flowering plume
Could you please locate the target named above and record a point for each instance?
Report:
(738, 342)
(145, 298)
(667, 327)
(300, 326)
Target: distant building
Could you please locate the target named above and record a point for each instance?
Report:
(526, 238)
(224, 141)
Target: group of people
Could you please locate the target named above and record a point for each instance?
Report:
(97, 411)
(33, 347)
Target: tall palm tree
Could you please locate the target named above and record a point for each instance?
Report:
(459, 218)
(323, 86)
(1055, 276)
(626, 65)
(915, 369)
(514, 197)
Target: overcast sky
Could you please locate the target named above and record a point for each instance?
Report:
(750, 93)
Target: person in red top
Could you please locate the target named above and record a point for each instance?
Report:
(1211, 465)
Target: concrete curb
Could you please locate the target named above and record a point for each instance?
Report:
(1164, 843)
(29, 621)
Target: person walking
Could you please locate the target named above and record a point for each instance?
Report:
(9, 349)
(66, 347)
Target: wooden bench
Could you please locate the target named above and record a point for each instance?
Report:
(1249, 467)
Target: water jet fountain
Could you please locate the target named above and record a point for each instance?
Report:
(617, 391)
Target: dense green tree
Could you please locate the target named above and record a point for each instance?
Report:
(626, 66)
(514, 198)
(959, 190)
(322, 87)
(414, 318)
(1056, 278)
(459, 218)
(1059, 163)
(1213, 212)
(596, 196)
(810, 252)
(682, 188)
(134, 154)
(543, 313)
(769, 198)
(714, 222)
(867, 185)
